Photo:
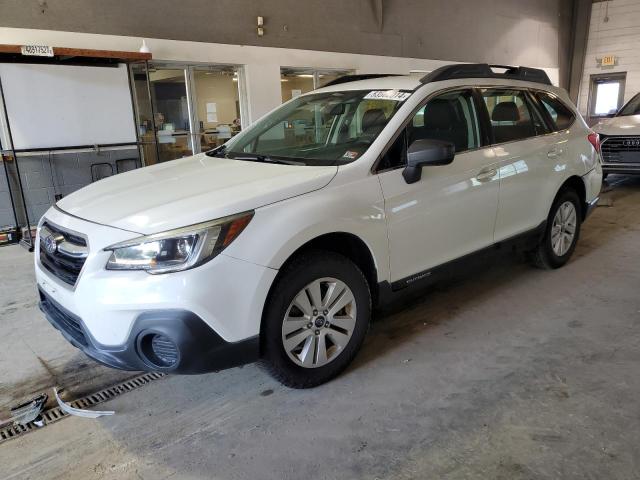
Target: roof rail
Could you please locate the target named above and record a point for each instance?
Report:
(354, 78)
(484, 70)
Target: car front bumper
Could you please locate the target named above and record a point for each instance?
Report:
(209, 315)
(197, 348)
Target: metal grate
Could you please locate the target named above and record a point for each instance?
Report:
(54, 414)
(619, 149)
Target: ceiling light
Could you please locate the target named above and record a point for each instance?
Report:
(305, 75)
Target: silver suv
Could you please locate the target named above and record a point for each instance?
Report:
(620, 139)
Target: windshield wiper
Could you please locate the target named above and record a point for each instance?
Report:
(264, 158)
(218, 152)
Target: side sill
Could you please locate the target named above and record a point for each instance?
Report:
(522, 242)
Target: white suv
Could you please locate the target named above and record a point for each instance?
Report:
(278, 244)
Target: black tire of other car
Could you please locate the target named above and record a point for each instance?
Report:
(306, 268)
(544, 256)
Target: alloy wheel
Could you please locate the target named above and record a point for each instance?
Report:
(319, 322)
(563, 229)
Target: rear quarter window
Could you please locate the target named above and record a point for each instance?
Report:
(561, 115)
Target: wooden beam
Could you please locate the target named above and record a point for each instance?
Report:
(9, 48)
(86, 52)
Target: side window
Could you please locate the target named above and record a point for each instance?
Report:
(512, 116)
(561, 115)
(450, 117)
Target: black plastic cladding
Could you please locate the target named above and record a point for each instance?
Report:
(462, 70)
(484, 70)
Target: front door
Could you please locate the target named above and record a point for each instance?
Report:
(451, 211)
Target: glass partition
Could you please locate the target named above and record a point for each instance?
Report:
(216, 102)
(171, 112)
(296, 81)
(185, 109)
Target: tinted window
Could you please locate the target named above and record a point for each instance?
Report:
(631, 108)
(561, 115)
(512, 116)
(449, 117)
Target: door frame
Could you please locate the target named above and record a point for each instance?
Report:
(603, 77)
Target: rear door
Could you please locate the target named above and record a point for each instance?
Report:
(523, 151)
(451, 211)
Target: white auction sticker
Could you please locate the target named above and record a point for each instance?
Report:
(37, 50)
(396, 95)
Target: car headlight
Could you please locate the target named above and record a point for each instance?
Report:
(179, 249)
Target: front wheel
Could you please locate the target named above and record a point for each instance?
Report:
(316, 319)
(562, 232)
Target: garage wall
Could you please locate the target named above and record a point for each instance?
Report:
(71, 171)
(619, 36)
(261, 75)
(6, 212)
(521, 32)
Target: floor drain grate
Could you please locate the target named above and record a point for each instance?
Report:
(54, 414)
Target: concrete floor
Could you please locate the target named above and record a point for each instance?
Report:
(33, 356)
(509, 373)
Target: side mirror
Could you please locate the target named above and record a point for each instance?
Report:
(424, 153)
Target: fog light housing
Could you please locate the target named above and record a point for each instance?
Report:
(159, 350)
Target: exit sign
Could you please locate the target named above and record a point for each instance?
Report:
(608, 61)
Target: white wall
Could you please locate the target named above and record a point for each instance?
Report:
(619, 36)
(262, 64)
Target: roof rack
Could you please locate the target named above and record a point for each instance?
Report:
(484, 70)
(354, 78)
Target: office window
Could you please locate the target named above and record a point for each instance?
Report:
(217, 105)
(187, 108)
(606, 94)
(296, 81)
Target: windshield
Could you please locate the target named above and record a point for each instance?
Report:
(631, 108)
(318, 129)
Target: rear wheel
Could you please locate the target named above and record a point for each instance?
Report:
(562, 232)
(316, 319)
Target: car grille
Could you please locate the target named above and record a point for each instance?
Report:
(62, 320)
(620, 149)
(62, 253)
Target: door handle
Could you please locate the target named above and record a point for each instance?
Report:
(554, 153)
(486, 174)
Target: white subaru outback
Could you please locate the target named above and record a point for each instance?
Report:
(277, 245)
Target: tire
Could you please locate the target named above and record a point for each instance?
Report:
(324, 350)
(546, 256)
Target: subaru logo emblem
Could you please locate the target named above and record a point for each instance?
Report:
(50, 244)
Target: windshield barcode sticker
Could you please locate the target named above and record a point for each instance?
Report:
(388, 95)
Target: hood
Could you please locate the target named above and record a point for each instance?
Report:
(190, 190)
(624, 125)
